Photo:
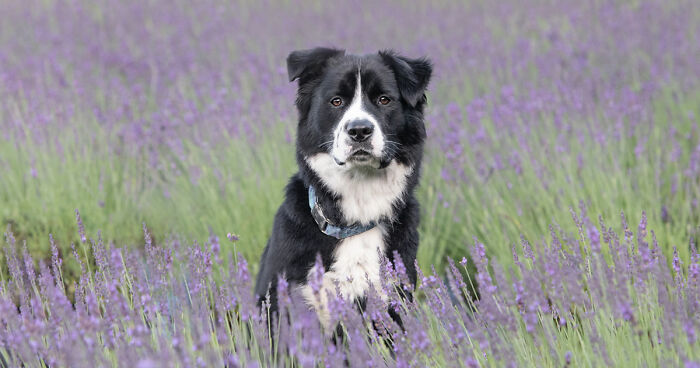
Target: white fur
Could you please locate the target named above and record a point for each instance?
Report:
(367, 194)
(356, 111)
(356, 267)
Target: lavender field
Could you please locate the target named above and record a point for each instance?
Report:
(144, 147)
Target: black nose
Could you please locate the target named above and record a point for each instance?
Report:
(359, 130)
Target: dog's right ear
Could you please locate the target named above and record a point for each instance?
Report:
(412, 75)
(309, 63)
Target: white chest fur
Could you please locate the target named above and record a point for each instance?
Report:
(357, 263)
(367, 194)
(356, 266)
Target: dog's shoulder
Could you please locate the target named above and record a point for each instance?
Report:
(287, 244)
(293, 222)
(295, 238)
(295, 203)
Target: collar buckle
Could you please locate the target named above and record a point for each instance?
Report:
(319, 217)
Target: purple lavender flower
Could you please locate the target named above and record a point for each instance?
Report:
(81, 228)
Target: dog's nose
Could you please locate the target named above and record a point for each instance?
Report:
(359, 130)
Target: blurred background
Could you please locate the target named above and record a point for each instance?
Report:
(179, 115)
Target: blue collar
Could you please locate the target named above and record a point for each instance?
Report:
(329, 229)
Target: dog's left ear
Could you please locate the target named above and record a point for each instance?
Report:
(412, 75)
(309, 62)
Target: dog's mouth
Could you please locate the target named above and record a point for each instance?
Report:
(357, 155)
(360, 155)
(363, 157)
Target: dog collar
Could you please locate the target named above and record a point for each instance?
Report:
(327, 227)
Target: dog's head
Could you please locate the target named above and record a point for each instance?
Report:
(364, 111)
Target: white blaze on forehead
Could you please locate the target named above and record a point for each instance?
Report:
(356, 111)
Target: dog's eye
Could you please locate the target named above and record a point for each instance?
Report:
(384, 100)
(336, 101)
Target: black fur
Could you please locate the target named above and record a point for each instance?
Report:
(323, 73)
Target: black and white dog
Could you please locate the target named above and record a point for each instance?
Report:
(359, 149)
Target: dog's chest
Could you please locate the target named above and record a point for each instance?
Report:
(365, 199)
(365, 196)
(357, 262)
(356, 267)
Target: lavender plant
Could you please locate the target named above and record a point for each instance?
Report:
(567, 302)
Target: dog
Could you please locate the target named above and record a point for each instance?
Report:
(359, 148)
